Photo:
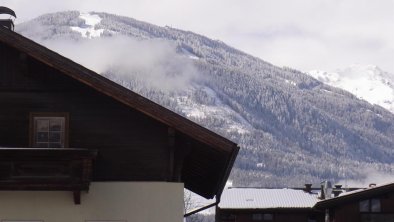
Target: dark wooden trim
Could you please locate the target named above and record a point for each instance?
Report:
(268, 210)
(46, 169)
(180, 153)
(201, 209)
(171, 158)
(43, 153)
(227, 170)
(178, 165)
(36, 186)
(66, 116)
(356, 196)
(77, 197)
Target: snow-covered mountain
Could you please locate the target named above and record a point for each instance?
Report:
(367, 82)
(292, 128)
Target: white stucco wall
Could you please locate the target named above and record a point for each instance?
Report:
(106, 201)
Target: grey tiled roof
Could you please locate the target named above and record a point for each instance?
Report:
(261, 198)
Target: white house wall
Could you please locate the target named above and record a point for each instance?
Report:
(106, 201)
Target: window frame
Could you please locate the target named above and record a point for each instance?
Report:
(375, 205)
(32, 129)
(257, 217)
(228, 217)
(262, 216)
(272, 217)
(105, 220)
(369, 205)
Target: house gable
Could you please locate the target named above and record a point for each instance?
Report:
(136, 139)
(371, 204)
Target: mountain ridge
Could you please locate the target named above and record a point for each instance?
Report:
(292, 128)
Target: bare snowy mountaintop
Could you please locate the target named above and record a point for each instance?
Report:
(367, 82)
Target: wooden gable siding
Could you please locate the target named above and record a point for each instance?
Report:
(18, 72)
(202, 160)
(190, 138)
(111, 89)
(350, 212)
(131, 145)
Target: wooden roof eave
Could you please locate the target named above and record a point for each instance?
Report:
(220, 186)
(269, 210)
(116, 91)
(361, 195)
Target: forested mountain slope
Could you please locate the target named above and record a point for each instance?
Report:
(292, 128)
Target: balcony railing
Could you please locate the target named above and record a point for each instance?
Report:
(46, 169)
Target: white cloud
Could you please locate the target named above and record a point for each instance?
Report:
(370, 176)
(304, 34)
(154, 62)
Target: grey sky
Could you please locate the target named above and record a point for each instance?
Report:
(303, 34)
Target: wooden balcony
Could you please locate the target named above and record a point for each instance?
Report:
(46, 169)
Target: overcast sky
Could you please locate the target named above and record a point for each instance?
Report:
(302, 34)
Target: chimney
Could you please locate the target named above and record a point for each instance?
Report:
(337, 190)
(8, 23)
(326, 190)
(322, 197)
(308, 188)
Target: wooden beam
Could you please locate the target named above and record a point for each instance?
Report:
(180, 155)
(77, 197)
(171, 157)
(46, 169)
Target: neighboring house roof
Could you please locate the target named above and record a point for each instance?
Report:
(356, 195)
(263, 198)
(227, 149)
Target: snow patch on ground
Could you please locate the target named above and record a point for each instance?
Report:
(291, 82)
(189, 54)
(237, 128)
(194, 112)
(260, 165)
(88, 30)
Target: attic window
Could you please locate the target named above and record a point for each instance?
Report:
(228, 217)
(372, 205)
(262, 217)
(257, 217)
(49, 130)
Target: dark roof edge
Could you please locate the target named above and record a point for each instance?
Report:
(226, 172)
(116, 91)
(272, 188)
(357, 195)
(278, 209)
(291, 188)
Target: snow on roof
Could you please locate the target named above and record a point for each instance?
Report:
(262, 198)
(355, 195)
(365, 189)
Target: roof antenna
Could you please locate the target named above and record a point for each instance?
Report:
(8, 23)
